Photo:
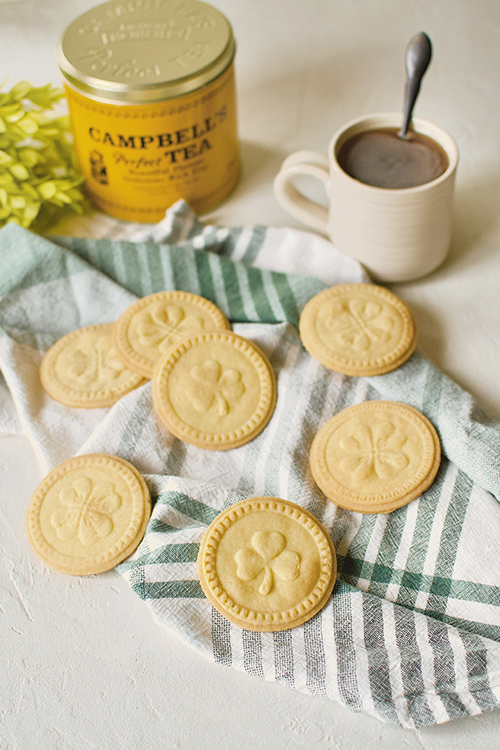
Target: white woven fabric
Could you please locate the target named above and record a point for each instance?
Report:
(411, 633)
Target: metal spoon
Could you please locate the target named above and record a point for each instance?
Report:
(418, 57)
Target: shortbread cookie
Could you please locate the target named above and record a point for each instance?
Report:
(88, 514)
(267, 564)
(152, 324)
(375, 457)
(214, 390)
(358, 329)
(82, 369)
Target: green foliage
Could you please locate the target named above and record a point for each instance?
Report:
(38, 179)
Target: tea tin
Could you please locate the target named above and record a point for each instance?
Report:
(151, 96)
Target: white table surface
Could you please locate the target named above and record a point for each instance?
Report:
(83, 664)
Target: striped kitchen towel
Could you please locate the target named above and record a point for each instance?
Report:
(411, 633)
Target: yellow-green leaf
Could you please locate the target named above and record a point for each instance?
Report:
(47, 190)
(20, 90)
(30, 192)
(28, 125)
(15, 116)
(17, 201)
(63, 197)
(9, 109)
(31, 212)
(5, 158)
(19, 172)
(29, 156)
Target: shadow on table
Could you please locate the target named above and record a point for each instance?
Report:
(431, 337)
(475, 215)
(259, 166)
(258, 162)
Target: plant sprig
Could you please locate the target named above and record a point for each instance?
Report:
(38, 177)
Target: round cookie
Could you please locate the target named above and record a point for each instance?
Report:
(88, 514)
(152, 324)
(375, 457)
(82, 369)
(358, 329)
(266, 564)
(215, 390)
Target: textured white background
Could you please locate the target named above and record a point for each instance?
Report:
(83, 664)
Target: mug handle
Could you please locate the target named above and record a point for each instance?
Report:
(292, 200)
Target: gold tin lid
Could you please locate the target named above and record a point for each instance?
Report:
(142, 51)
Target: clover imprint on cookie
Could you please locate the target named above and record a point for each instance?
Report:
(91, 362)
(166, 324)
(267, 553)
(367, 454)
(211, 387)
(215, 387)
(378, 450)
(268, 562)
(86, 512)
(358, 325)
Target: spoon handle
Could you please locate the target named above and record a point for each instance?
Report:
(418, 57)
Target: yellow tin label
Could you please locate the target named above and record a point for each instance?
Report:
(139, 159)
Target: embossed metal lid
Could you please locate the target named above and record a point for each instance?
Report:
(141, 51)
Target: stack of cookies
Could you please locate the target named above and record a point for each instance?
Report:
(375, 457)
(267, 564)
(358, 329)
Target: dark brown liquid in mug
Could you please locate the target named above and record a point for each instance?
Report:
(382, 159)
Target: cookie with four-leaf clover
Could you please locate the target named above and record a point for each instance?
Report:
(215, 390)
(375, 457)
(83, 371)
(152, 324)
(358, 329)
(267, 564)
(88, 514)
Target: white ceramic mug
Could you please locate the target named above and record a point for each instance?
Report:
(398, 234)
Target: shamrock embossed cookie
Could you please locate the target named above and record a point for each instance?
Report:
(267, 564)
(83, 371)
(358, 329)
(152, 324)
(88, 514)
(375, 457)
(215, 390)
